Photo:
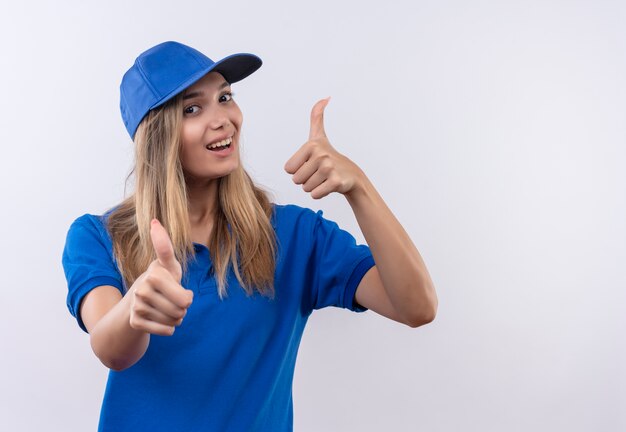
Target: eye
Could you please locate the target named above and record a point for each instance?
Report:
(227, 97)
(191, 109)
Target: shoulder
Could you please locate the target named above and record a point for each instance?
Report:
(291, 216)
(89, 220)
(90, 225)
(292, 211)
(301, 225)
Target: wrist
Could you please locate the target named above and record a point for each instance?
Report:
(362, 190)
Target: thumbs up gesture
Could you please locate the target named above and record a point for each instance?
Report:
(318, 167)
(159, 302)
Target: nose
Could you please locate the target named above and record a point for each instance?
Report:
(218, 117)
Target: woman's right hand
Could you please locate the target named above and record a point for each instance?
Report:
(159, 302)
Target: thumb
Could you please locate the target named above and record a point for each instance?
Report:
(164, 249)
(317, 119)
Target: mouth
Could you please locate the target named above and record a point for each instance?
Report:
(220, 145)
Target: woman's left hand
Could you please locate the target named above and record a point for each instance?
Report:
(318, 167)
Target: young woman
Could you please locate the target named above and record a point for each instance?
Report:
(196, 289)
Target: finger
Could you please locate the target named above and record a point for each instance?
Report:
(317, 119)
(151, 314)
(162, 304)
(161, 281)
(139, 323)
(305, 172)
(299, 158)
(323, 189)
(314, 181)
(164, 249)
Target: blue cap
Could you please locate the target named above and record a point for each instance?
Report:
(165, 70)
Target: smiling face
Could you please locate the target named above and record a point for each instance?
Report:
(210, 131)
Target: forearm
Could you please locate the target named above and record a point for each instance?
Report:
(114, 341)
(400, 265)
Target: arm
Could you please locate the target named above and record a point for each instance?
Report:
(106, 315)
(399, 286)
(120, 327)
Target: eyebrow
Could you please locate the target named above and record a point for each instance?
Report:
(200, 93)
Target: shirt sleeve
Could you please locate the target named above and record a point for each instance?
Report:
(340, 264)
(87, 262)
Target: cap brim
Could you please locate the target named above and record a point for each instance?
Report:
(233, 68)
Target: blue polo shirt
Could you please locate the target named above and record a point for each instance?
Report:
(229, 366)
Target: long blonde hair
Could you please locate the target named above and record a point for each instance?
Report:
(242, 234)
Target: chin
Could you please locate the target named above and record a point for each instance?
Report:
(227, 170)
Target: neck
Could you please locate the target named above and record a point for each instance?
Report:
(202, 204)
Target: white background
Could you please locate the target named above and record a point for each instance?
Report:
(494, 130)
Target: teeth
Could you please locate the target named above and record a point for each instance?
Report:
(222, 143)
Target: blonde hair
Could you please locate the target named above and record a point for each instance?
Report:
(242, 234)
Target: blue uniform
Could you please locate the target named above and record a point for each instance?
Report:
(229, 366)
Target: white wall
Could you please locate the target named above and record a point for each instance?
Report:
(494, 130)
